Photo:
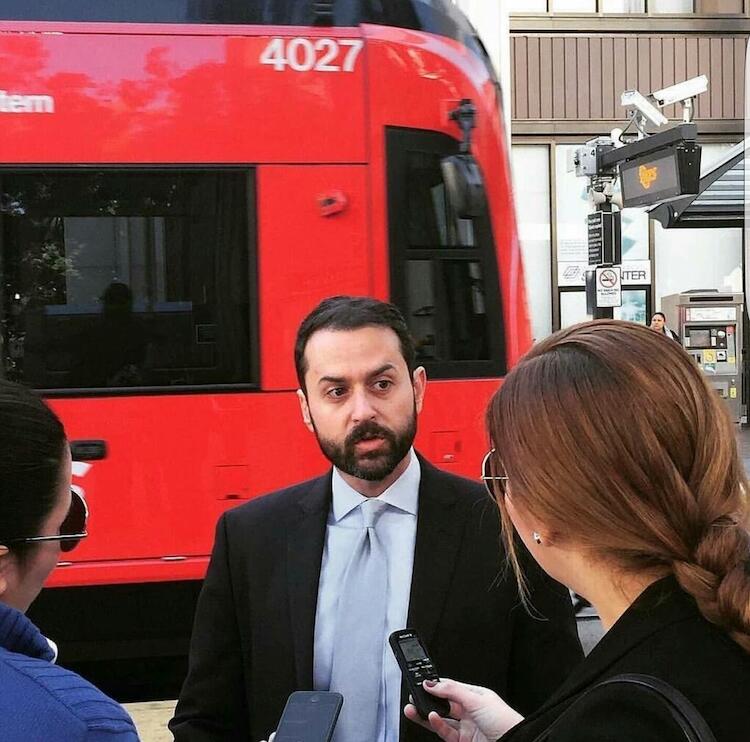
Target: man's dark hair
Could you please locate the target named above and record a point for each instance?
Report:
(352, 313)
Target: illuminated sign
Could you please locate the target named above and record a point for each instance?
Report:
(648, 175)
(668, 173)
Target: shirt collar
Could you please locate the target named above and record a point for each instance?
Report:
(402, 494)
(18, 634)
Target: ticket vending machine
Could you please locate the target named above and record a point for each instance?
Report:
(710, 327)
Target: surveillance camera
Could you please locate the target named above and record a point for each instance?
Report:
(681, 91)
(633, 99)
(585, 160)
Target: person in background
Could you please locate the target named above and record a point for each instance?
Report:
(617, 466)
(659, 324)
(306, 584)
(40, 516)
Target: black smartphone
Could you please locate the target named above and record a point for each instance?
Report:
(416, 666)
(309, 716)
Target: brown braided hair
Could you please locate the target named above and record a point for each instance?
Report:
(610, 436)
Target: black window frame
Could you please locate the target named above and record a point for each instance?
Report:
(400, 141)
(254, 339)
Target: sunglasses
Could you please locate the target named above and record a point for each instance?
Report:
(72, 529)
(489, 478)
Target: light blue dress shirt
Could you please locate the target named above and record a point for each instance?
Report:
(397, 529)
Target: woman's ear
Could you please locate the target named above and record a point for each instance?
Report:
(4, 557)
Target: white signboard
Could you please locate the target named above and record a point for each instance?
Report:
(636, 272)
(609, 287)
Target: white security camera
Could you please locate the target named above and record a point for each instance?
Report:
(633, 99)
(680, 92)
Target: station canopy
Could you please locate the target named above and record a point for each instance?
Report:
(721, 196)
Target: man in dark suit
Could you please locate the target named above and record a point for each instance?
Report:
(306, 584)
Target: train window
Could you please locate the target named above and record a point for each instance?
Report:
(443, 269)
(126, 279)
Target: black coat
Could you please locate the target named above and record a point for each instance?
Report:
(253, 637)
(672, 335)
(663, 635)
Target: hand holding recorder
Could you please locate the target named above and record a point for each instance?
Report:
(478, 714)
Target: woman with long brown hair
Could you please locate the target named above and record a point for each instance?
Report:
(617, 466)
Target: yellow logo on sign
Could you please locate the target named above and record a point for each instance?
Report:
(648, 175)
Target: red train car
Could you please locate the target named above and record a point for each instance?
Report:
(180, 183)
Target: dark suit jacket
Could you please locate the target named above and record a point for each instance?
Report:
(663, 635)
(253, 636)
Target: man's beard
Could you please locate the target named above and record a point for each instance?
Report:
(371, 466)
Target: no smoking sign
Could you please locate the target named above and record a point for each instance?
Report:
(609, 286)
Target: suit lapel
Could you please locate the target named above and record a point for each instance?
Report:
(440, 528)
(305, 541)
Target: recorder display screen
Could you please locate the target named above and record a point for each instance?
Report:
(412, 649)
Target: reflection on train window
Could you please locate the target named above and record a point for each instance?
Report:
(431, 221)
(121, 279)
(444, 269)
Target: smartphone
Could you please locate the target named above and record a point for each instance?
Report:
(416, 666)
(309, 716)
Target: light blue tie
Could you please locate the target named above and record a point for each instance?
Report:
(358, 647)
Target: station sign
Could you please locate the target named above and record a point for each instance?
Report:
(595, 229)
(604, 230)
(636, 272)
(572, 274)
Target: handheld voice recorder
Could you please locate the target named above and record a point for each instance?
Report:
(416, 667)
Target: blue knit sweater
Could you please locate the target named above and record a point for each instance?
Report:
(41, 702)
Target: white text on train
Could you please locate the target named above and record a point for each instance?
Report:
(15, 103)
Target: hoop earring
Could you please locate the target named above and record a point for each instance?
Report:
(537, 538)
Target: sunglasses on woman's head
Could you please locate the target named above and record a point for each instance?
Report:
(72, 529)
(489, 478)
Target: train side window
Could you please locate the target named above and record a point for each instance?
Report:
(127, 279)
(444, 274)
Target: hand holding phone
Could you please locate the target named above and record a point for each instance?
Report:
(416, 667)
(309, 716)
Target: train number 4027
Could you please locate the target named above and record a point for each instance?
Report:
(312, 55)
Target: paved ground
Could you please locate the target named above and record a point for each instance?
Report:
(151, 718)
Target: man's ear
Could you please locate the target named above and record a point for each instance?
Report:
(419, 382)
(305, 410)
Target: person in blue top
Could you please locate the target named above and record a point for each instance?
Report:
(40, 516)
